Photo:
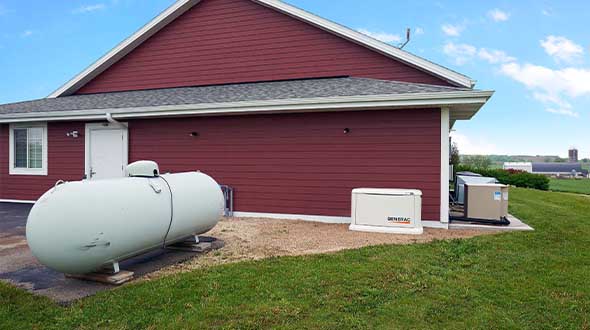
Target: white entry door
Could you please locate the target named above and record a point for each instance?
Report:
(106, 151)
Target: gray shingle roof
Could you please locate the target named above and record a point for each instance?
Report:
(294, 89)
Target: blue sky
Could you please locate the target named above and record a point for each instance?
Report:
(535, 54)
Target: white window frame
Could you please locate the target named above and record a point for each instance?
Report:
(27, 171)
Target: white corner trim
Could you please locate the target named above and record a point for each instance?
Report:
(104, 126)
(125, 47)
(17, 201)
(27, 171)
(303, 217)
(181, 6)
(371, 43)
(470, 102)
(444, 164)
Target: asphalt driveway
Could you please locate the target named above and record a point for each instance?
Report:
(20, 268)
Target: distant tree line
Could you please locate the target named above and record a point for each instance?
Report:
(476, 161)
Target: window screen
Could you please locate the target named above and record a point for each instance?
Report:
(20, 148)
(28, 147)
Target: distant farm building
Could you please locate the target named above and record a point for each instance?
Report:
(520, 166)
(573, 155)
(550, 169)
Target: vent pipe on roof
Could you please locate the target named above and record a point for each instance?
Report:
(408, 32)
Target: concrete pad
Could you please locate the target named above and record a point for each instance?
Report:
(515, 225)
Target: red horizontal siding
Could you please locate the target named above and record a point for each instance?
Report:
(301, 163)
(230, 41)
(292, 163)
(65, 162)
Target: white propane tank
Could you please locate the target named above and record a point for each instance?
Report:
(80, 227)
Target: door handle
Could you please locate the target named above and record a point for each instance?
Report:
(92, 173)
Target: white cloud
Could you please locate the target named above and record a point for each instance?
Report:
(570, 81)
(473, 146)
(419, 31)
(461, 53)
(498, 15)
(562, 49)
(382, 36)
(554, 99)
(452, 30)
(89, 8)
(564, 112)
(27, 33)
(494, 56)
(555, 104)
(551, 87)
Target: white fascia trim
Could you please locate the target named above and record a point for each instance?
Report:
(371, 43)
(474, 99)
(302, 217)
(125, 47)
(17, 201)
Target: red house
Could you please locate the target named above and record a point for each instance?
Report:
(291, 110)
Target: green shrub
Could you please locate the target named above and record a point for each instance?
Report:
(511, 177)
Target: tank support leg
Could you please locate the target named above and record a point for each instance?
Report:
(110, 274)
(113, 268)
(116, 268)
(192, 244)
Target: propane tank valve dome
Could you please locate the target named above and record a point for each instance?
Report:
(143, 168)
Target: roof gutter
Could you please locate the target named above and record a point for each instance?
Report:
(468, 101)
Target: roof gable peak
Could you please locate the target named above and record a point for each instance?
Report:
(182, 6)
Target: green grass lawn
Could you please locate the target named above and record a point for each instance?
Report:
(524, 280)
(568, 185)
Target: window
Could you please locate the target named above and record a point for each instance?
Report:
(28, 149)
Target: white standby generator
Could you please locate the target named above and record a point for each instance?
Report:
(396, 211)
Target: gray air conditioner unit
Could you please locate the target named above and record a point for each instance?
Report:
(486, 201)
(464, 179)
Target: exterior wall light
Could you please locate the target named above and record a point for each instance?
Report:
(73, 134)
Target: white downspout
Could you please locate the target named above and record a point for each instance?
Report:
(112, 120)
